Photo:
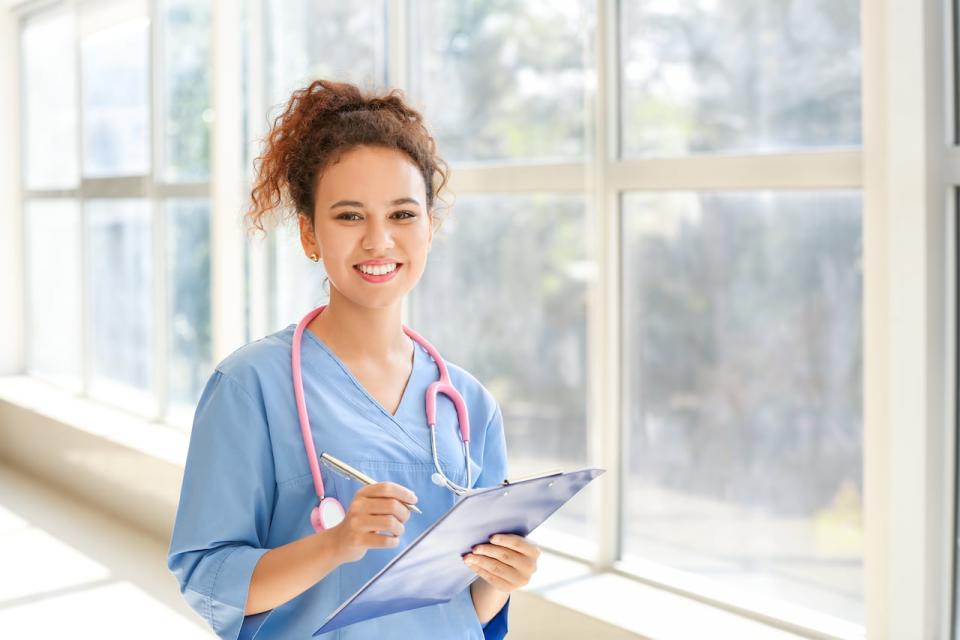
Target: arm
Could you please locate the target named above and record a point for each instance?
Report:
(218, 551)
(487, 600)
(287, 571)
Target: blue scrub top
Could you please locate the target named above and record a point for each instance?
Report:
(247, 486)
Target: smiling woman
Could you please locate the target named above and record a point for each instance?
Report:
(362, 175)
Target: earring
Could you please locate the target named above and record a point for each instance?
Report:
(314, 257)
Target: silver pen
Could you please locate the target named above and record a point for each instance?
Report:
(344, 469)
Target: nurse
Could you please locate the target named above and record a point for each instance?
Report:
(362, 174)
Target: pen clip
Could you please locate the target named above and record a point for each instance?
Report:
(533, 476)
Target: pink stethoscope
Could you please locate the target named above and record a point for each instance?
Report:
(330, 512)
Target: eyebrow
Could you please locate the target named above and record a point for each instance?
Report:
(355, 203)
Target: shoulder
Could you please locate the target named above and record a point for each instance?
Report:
(254, 365)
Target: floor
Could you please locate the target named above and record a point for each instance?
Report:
(70, 572)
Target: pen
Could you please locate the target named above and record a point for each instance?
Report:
(344, 469)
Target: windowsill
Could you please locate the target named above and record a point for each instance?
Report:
(131, 467)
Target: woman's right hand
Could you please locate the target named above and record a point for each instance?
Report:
(375, 507)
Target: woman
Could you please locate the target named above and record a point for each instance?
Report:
(249, 548)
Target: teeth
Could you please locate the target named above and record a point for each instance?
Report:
(378, 270)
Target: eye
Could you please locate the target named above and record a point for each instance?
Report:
(341, 216)
(409, 214)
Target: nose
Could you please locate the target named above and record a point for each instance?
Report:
(378, 237)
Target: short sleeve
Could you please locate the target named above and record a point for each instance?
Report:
(226, 503)
(494, 461)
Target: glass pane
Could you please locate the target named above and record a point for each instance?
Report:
(121, 295)
(116, 115)
(188, 303)
(313, 39)
(739, 76)
(49, 103)
(742, 363)
(504, 296)
(503, 80)
(53, 268)
(185, 47)
(298, 284)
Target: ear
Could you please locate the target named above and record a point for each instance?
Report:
(307, 236)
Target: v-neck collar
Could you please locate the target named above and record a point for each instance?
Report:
(406, 389)
(398, 424)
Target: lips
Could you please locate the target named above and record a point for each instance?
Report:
(378, 278)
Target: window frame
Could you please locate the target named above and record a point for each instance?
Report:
(149, 186)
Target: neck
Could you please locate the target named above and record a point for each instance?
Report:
(361, 333)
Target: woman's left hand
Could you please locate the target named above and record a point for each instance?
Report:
(506, 563)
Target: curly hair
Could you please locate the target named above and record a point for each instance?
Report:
(322, 121)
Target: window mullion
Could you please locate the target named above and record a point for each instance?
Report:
(603, 298)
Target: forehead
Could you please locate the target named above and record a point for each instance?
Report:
(372, 175)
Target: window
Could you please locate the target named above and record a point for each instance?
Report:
(502, 81)
(742, 375)
(116, 221)
(653, 259)
(740, 76)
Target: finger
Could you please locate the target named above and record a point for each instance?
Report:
(517, 543)
(387, 507)
(389, 490)
(494, 567)
(507, 556)
(377, 541)
(388, 524)
(495, 581)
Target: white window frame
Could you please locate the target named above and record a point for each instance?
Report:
(149, 187)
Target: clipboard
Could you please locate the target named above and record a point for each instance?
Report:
(430, 570)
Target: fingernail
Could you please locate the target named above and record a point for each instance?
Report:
(494, 539)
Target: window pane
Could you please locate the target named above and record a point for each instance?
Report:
(49, 104)
(739, 76)
(742, 363)
(116, 124)
(185, 46)
(53, 268)
(503, 80)
(188, 302)
(121, 313)
(313, 39)
(504, 296)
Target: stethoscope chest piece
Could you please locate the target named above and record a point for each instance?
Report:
(329, 514)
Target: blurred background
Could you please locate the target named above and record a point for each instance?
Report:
(654, 258)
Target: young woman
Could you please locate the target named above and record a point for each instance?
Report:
(260, 547)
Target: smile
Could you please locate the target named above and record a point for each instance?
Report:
(379, 273)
